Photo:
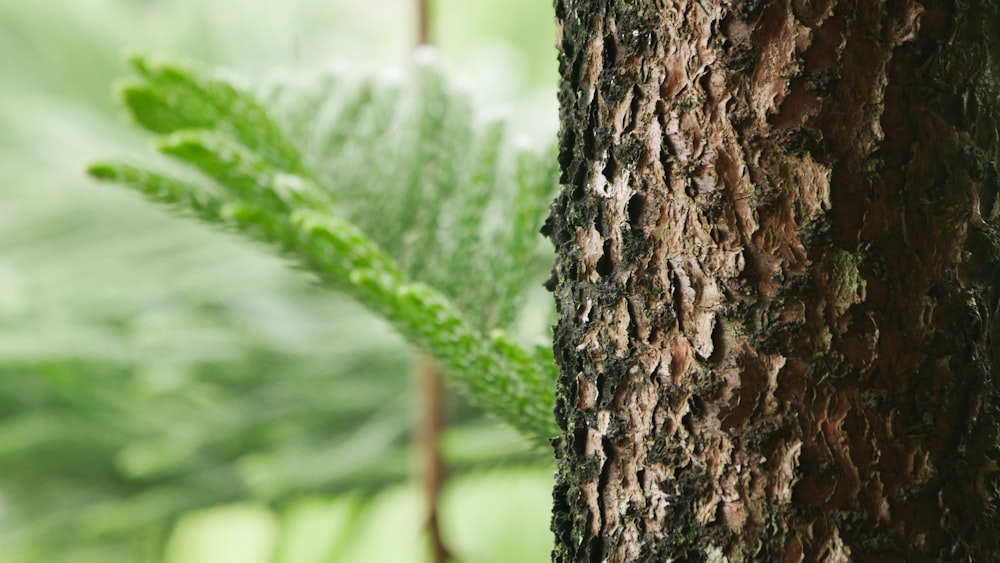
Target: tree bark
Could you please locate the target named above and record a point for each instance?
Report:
(777, 278)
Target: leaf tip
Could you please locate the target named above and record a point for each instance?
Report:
(138, 61)
(102, 171)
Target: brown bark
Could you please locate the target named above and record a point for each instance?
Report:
(778, 244)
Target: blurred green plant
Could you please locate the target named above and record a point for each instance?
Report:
(152, 370)
(392, 195)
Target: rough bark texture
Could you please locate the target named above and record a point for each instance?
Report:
(778, 241)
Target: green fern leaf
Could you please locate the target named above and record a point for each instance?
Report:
(256, 183)
(170, 97)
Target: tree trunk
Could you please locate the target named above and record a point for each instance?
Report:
(778, 240)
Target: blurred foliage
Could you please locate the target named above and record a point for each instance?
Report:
(151, 367)
(526, 56)
(494, 517)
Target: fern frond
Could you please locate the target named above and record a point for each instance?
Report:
(435, 189)
(171, 97)
(183, 197)
(236, 168)
(346, 259)
(410, 236)
(535, 174)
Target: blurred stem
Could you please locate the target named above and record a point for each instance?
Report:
(434, 471)
(423, 22)
(432, 394)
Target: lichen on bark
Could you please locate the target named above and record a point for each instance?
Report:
(777, 281)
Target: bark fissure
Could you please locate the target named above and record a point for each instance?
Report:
(777, 278)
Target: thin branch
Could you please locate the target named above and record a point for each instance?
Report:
(423, 23)
(432, 395)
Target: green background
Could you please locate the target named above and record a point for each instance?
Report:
(168, 393)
